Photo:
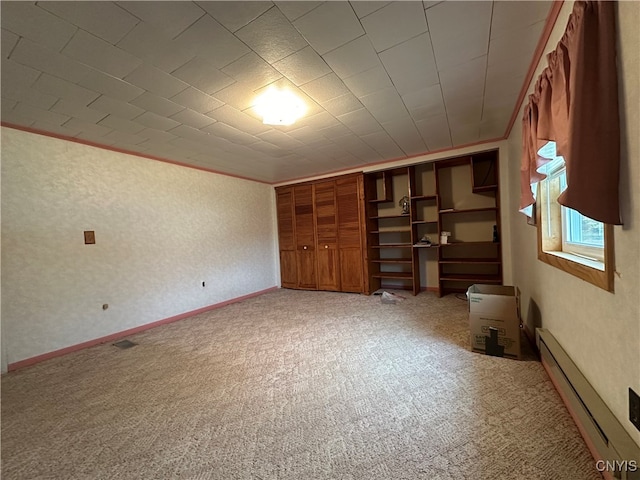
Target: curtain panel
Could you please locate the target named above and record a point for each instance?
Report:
(575, 103)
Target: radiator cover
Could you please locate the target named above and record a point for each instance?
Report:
(608, 441)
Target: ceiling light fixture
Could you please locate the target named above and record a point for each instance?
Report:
(279, 107)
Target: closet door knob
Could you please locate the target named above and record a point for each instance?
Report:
(326, 246)
(304, 247)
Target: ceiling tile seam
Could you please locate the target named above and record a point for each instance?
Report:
(486, 69)
(433, 52)
(63, 20)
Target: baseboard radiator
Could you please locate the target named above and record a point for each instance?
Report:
(616, 455)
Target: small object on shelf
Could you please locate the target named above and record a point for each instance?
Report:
(404, 203)
(496, 237)
(444, 237)
(425, 240)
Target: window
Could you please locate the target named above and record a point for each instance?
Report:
(567, 239)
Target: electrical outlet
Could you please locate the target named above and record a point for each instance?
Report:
(634, 408)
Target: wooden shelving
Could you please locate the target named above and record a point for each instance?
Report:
(458, 195)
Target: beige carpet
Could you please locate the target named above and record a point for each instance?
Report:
(293, 385)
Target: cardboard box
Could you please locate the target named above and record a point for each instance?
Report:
(494, 312)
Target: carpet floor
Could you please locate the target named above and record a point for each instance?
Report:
(293, 385)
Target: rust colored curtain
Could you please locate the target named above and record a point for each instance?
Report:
(575, 104)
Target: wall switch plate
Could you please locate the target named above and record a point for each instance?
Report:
(634, 408)
(89, 237)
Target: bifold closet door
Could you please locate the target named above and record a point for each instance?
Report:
(286, 237)
(327, 236)
(305, 237)
(349, 235)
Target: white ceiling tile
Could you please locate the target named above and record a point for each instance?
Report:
(240, 120)
(329, 26)
(325, 88)
(202, 75)
(364, 8)
(352, 58)
(302, 66)
(205, 33)
(360, 122)
(97, 53)
(104, 19)
(172, 17)
(63, 89)
(382, 143)
(411, 65)
(196, 100)
(429, 4)
(155, 47)
(493, 128)
(234, 15)
(192, 118)
(425, 103)
(464, 110)
(12, 117)
(512, 46)
(515, 16)
(252, 70)
(338, 130)
(280, 139)
(123, 138)
(230, 133)
(272, 36)
(470, 38)
(72, 109)
(318, 121)
(156, 81)
(435, 132)
(342, 104)
(37, 114)
(110, 86)
(7, 105)
(385, 105)
(156, 135)
(106, 104)
(394, 24)
(295, 9)
(368, 81)
(57, 129)
(40, 58)
(406, 135)
(91, 131)
(237, 95)
(308, 135)
(8, 42)
(23, 93)
(30, 21)
(357, 147)
(467, 78)
(157, 122)
(462, 134)
(185, 132)
(156, 104)
(121, 125)
(16, 74)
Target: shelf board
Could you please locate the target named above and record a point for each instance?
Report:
(470, 277)
(381, 200)
(401, 275)
(424, 197)
(392, 260)
(398, 230)
(469, 244)
(419, 245)
(491, 261)
(423, 222)
(388, 216)
(393, 245)
(467, 210)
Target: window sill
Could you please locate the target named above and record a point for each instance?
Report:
(597, 273)
(587, 262)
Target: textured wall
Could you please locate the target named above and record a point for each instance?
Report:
(161, 230)
(599, 330)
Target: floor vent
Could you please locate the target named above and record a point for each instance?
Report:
(617, 455)
(124, 344)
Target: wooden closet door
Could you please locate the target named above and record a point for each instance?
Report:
(327, 236)
(286, 237)
(305, 237)
(349, 235)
